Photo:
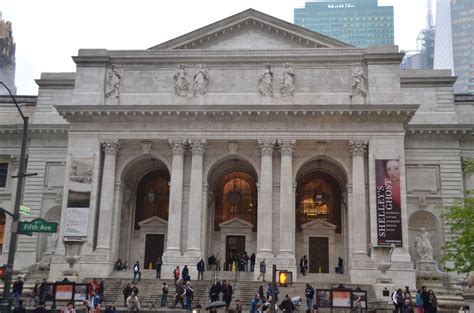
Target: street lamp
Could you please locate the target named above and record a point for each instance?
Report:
(16, 210)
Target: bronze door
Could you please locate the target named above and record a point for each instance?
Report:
(318, 255)
(154, 246)
(234, 246)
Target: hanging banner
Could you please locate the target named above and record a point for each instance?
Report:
(389, 217)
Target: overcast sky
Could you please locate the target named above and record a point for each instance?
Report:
(48, 32)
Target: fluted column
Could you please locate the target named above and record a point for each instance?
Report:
(358, 216)
(111, 147)
(287, 207)
(195, 198)
(173, 246)
(264, 223)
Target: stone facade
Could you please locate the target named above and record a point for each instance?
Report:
(193, 109)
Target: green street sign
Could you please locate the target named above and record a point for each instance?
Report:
(25, 210)
(38, 225)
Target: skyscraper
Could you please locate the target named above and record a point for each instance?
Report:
(7, 56)
(454, 48)
(359, 22)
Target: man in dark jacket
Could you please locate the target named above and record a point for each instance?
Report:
(252, 262)
(214, 291)
(136, 271)
(185, 274)
(309, 292)
(287, 305)
(159, 263)
(17, 290)
(200, 268)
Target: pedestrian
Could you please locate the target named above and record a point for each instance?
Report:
(200, 268)
(263, 270)
(227, 292)
(407, 306)
(17, 290)
(269, 292)
(357, 307)
(397, 299)
(238, 306)
(218, 262)
(246, 262)
(287, 305)
(136, 271)
(36, 292)
(340, 265)
(95, 302)
(43, 291)
(126, 293)
(433, 307)
(164, 295)
(197, 308)
(19, 308)
(180, 293)
(188, 295)
(426, 299)
(176, 274)
(309, 292)
(69, 308)
(315, 309)
(185, 274)
(85, 307)
(419, 301)
(94, 286)
(464, 309)
(254, 303)
(159, 263)
(101, 290)
(252, 262)
(133, 303)
(261, 293)
(215, 290)
(110, 309)
(134, 289)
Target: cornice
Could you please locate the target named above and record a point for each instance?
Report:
(407, 82)
(34, 129)
(458, 131)
(368, 113)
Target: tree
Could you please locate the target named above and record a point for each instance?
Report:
(459, 219)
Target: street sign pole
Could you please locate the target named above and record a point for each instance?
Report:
(274, 270)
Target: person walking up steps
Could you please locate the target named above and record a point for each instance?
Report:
(263, 270)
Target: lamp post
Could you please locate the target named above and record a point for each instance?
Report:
(16, 210)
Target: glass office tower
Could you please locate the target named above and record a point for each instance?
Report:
(358, 22)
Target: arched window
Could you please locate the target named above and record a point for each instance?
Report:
(236, 196)
(318, 197)
(153, 195)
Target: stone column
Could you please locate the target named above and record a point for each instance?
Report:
(104, 236)
(265, 201)
(358, 216)
(173, 247)
(195, 198)
(287, 206)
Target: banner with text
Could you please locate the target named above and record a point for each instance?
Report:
(389, 218)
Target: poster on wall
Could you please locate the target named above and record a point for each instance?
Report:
(64, 292)
(389, 217)
(341, 298)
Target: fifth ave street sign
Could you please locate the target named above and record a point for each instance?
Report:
(38, 225)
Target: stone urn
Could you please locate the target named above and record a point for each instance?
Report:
(383, 261)
(73, 253)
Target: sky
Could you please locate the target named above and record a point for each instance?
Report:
(49, 32)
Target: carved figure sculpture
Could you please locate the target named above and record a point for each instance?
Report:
(266, 81)
(112, 88)
(423, 245)
(201, 80)
(359, 82)
(287, 82)
(181, 82)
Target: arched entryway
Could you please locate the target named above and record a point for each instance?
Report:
(320, 212)
(232, 210)
(145, 205)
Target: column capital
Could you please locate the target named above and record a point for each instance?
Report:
(198, 146)
(287, 146)
(110, 146)
(266, 146)
(358, 146)
(178, 145)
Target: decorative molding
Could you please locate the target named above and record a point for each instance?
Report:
(198, 146)
(286, 146)
(266, 146)
(358, 146)
(15, 160)
(110, 146)
(146, 146)
(321, 147)
(233, 146)
(178, 145)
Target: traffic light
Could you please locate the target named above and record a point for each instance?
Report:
(2, 272)
(285, 278)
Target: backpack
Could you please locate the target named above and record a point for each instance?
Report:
(394, 298)
(135, 268)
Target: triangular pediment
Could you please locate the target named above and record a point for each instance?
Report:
(251, 30)
(235, 223)
(154, 221)
(319, 224)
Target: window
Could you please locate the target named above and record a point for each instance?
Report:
(3, 174)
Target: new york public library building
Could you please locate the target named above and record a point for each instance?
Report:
(249, 134)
